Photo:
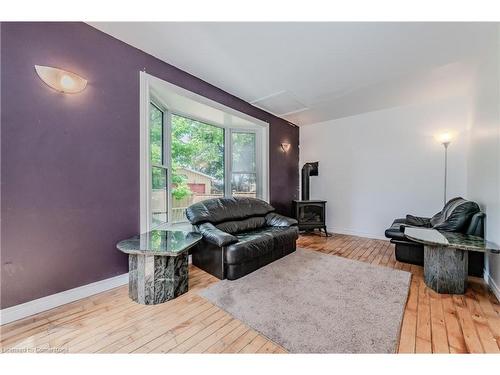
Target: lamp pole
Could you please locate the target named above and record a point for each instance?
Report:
(445, 144)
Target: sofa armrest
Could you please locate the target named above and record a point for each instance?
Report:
(277, 220)
(215, 236)
(403, 226)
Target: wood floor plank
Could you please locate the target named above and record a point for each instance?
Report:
(255, 345)
(201, 335)
(423, 342)
(206, 343)
(241, 342)
(471, 338)
(486, 336)
(162, 324)
(409, 327)
(163, 332)
(439, 337)
(165, 343)
(268, 348)
(227, 340)
(453, 329)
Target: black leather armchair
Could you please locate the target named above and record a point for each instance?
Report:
(458, 215)
(240, 235)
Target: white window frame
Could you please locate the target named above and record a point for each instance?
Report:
(258, 162)
(149, 94)
(166, 164)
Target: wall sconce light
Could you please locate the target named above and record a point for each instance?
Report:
(285, 147)
(61, 80)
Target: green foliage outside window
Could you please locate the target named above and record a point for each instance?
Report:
(195, 146)
(198, 147)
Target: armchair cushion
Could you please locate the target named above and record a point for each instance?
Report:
(418, 221)
(458, 203)
(456, 220)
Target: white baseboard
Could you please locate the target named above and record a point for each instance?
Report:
(36, 306)
(491, 283)
(350, 232)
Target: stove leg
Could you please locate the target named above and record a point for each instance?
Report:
(326, 233)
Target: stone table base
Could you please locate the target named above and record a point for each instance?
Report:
(445, 269)
(155, 279)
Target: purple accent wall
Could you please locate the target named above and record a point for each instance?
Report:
(70, 163)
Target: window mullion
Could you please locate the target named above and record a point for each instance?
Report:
(227, 162)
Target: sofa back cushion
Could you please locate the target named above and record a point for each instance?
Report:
(219, 210)
(455, 216)
(238, 226)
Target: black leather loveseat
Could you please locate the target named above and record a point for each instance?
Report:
(240, 235)
(458, 215)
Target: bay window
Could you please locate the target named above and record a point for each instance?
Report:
(196, 152)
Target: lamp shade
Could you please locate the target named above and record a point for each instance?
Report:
(445, 137)
(61, 80)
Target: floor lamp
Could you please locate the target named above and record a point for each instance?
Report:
(445, 140)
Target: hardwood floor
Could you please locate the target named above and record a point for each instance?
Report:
(111, 323)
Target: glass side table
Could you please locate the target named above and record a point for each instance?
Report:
(158, 264)
(446, 257)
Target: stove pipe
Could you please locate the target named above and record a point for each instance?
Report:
(309, 169)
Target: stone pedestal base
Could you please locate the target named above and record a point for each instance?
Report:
(155, 279)
(445, 269)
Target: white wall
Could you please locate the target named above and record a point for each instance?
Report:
(483, 183)
(380, 165)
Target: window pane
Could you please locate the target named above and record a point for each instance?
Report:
(197, 163)
(159, 195)
(243, 148)
(156, 134)
(244, 185)
(243, 178)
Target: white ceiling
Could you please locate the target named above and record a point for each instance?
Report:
(312, 72)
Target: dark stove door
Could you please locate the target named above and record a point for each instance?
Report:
(310, 215)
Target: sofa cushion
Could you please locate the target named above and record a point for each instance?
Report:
(238, 226)
(259, 242)
(218, 210)
(250, 245)
(282, 235)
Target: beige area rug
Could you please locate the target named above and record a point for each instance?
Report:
(310, 302)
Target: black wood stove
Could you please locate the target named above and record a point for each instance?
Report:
(310, 214)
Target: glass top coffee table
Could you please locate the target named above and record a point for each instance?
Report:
(446, 257)
(158, 264)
